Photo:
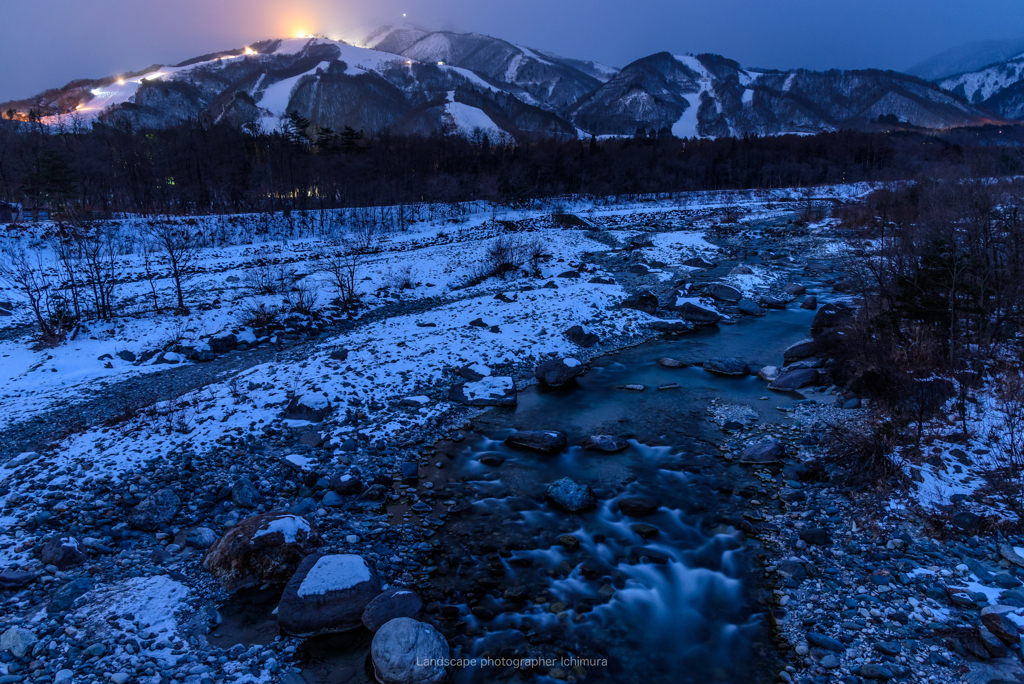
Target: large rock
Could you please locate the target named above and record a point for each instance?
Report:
(794, 289)
(543, 441)
(557, 372)
(697, 262)
(676, 327)
(62, 552)
(794, 380)
(644, 301)
(393, 603)
(311, 407)
(698, 315)
(768, 451)
(810, 303)
(831, 316)
(1002, 627)
(155, 511)
(406, 651)
(579, 335)
(801, 350)
(609, 444)
(488, 391)
(262, 549)
(18, 641)
(723, 292)
(727, 366)
(570, 496)
(769, 373)
(326, 595)
(222, 344)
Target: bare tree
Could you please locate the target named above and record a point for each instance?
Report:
(342, 267)
(180, 242)
(25, 272)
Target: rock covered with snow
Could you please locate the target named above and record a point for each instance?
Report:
(155, 511)
(327, 594)
(488, 391)
(582, 336)
(311, 407)
(62, 552)
(608, 444)
(557, 372)
(262, 549)
(391, 604)
(406, 651)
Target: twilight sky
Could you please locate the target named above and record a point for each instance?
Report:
(47, 44)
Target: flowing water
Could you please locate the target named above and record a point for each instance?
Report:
(663, 598)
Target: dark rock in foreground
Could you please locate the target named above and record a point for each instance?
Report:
(570, 496)
(543, 441)
(327, 594)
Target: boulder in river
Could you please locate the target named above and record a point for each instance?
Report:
(727, 366)
(672, 363)
(155, 511)
(557, 372)
(637, 506)
(406, 651)
(571, 496)
(794, 289)
(723, 292)
(262, 549)
(327, 594)
(698, 315)
(769, 373)
(762, 453)
(794, 380)
(391, 604)
(677, 327)
(750, 308)
(811, 303)
(801, 350)
(830, 317)
(488, 391)
(609, 444)
(543, 441)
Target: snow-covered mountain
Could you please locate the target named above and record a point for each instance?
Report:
(410, 80)
(709, 95)
(964, 58)
(998, 87)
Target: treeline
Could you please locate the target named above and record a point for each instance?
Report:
(195, 168)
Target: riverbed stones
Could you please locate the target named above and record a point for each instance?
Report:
(763, 453)
(608, 444)
(794, 289)
(327, 595)
(557, 372)
(541, 441)
(727, 366)
(311, 407)
(488, 391)
(768, 373)
(810, 303)
(155, 511)
(795, 380)
(18, 641)
(61, 552)
(571, 496)
(1002, 627)
(201, 538)
(637, 506)
(391, 604)
(825, 642)
(263, 549)
(406, 651)
(672, 363)
(723, 292)
(698, 315)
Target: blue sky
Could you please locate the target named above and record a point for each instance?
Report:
(47, 44)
